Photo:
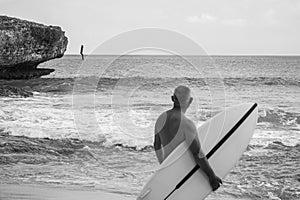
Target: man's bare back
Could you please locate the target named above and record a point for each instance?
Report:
(173, 127)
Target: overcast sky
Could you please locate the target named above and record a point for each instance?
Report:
(221, 27)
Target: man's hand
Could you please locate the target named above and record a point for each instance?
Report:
(215, 182)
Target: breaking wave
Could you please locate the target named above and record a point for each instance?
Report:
(279, 117)
(66, 84)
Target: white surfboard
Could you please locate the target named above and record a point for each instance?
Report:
(223, 138)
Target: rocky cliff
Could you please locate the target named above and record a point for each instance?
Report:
(24, 45)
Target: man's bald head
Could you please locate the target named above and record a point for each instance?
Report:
(182, 96)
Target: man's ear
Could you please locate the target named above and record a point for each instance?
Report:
(173, 99)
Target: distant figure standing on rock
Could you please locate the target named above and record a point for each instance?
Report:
(81, 52)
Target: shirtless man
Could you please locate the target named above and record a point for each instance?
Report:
(173, 127)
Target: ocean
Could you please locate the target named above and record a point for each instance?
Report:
(89, 125)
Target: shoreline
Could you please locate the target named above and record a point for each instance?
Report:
(26, 192)
(10, 191)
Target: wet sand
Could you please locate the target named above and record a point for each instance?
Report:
(38, 192)
(35, 192)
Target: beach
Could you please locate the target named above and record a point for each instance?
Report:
(16, 192)
(11, 192)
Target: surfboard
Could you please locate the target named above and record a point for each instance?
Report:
(223, 139)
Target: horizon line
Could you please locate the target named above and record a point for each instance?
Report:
(287, 55)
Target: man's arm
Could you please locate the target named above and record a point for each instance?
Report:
(158, 148)
(157, 142)
(191, 137)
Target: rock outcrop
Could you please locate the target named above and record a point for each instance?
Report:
(24, 45)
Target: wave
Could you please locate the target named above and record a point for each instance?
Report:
(134, 148)
(28, 150)
(275, 162)
(278, 145)
(279, 117)
(72, 147)
(32, 150)
(262, 81)
(104, 83)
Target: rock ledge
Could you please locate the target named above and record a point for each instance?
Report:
(25, 44)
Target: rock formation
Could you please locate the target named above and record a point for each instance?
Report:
(24, 45)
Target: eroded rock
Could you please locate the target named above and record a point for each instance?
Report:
(24, 45)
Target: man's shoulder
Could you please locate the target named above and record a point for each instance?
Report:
(160, 122)
(186, 119)
(162, 116)
(189, 123)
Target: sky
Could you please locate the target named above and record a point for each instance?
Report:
(224, 27)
